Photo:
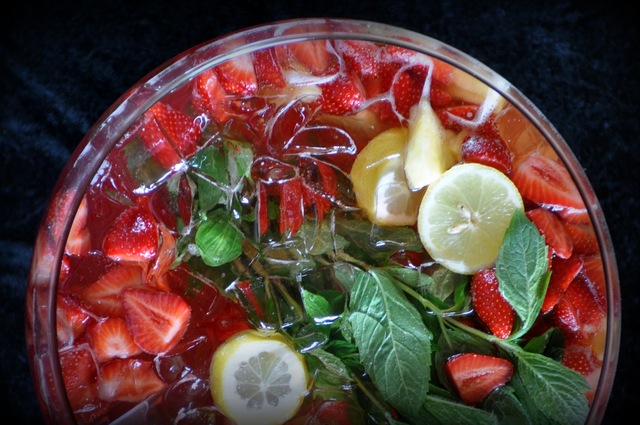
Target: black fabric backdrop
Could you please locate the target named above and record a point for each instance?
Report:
(62, 63)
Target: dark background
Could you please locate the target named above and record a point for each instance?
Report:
(62, 63)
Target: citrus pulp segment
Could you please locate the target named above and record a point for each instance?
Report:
(379, 182)
(256, 378)
(464, 215)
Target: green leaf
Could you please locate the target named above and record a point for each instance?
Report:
(331, 363)
(392, 340)
(521, 269)
(316, 305)
(504, 403)
(439, 410)
(550, 384)
(217, 240)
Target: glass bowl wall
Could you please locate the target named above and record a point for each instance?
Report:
(162, 82)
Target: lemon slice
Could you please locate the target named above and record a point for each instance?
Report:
(379, 182)
(464, 215)
(258, 379)
(427, 153)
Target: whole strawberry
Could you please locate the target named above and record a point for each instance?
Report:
(491, 307)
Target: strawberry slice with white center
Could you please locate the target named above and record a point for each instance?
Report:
(237, 76)
(133, 236)
(490, 306)
(547, 182)
(476, 375)
(103, 296)
(342, 95)
(157, 320)
(129, 380)
(110, 338)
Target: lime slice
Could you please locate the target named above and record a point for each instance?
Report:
(379, 182)
(258, 379)
(464, 215)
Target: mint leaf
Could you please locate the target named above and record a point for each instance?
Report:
(550, 384)
(316, 306)
(392, 340)
(217, 240)
(443, 411)
(521, 269)
(504, 403)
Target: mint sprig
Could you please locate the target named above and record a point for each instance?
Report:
(393, 342)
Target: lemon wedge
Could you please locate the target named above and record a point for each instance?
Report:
(258, 379)
(379, 182)
(427, 153)
(465, 214)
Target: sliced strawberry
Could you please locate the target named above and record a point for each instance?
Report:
(315, 57)
(594, 273)
(169, 134)
(487, 148)
(319, 186)
(583, 237)
(449, 116)
(79, 373)
(79, 239)
(360, 56)
(547, 183)
(209, 95)
(475, 375)
(237, 76)
(291, 206)
(103, 296)
(157, 320)
(554, 232)
(133, 236)
(279, 181)
(110, 338)
(563, 271)
(578, 313)
(129, 380)
(267, 70)
(71, 320)
(581, 358)
(342, 95)
(407, 89)
(439, 98)
(442, 74)
(491, 307)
